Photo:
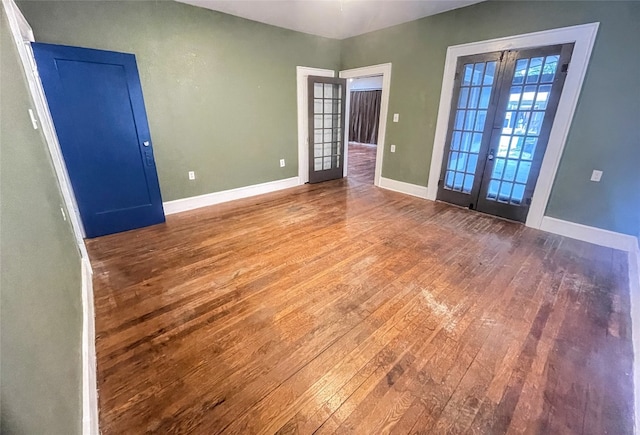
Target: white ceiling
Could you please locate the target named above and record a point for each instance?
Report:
(332, 18)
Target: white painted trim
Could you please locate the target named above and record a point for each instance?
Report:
(584, 38)
(597, 236)
(368, 71)
(302, 72)
(402, 187)
(191, 203)
(634, 293)
(89, 378)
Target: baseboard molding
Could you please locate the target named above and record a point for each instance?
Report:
(402, 187)
(597, 236)
(90, 423)
(185, 204)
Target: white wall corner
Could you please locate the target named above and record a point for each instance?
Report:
(194, 202)
(402, 187)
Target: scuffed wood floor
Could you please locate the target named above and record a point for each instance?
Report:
(341, 307)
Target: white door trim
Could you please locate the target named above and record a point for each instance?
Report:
(302, 72)
(584, 38)
(368, 71)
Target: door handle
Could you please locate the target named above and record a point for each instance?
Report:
(490, 156)
(146, 143)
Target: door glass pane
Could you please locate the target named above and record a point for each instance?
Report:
(328, 121)
(523, 172)
(543, 97)
(317, 164)
(317, 90)
(514, 97)
(328, 90)
(535, 68)
(481, 118)
(317, 106)
(474, 97)
(485, 95)
(317, 150)
(505, 192)
(517, 194)
(535, 124)
(468, 183)
(516, 147)
(462, 99)
(327, 163)
(459, 119)
(455, 142)
(529, 148)
(489, 74)
(520, 71)
(503, 146)
(317, 121)
(478, 72)
(468, 72)
(473, 162)
(462, 162)
(470, 120)
(476, 143)
(549, 69)
(527, 97)
(466, 141)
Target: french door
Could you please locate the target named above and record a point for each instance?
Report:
(326, 123)
(502, 111)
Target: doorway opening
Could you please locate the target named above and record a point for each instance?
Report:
(502, 112)
(364, 121)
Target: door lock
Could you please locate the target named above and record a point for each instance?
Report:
(490, 156)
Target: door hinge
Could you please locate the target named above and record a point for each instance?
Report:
(457, 76)
(565, 68)
(440, 182)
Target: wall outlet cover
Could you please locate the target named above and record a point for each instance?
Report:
(596, 175)
(393, 148)
(192, 175)
(282, 163)
(396, 117)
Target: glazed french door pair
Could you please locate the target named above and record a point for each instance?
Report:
(502, 111)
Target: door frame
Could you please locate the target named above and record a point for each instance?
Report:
(367, 71)
(584, 38)
(302, 72)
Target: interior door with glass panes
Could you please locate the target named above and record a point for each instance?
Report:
(493, 162)
(326, 123)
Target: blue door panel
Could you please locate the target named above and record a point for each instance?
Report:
(96, 103)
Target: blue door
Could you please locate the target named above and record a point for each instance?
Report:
(96, 103)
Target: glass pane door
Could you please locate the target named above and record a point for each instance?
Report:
(502, 111)
(326, 121)
(469, 127)
(529, 98)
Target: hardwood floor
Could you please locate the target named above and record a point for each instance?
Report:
(362, 162)
(341, 307)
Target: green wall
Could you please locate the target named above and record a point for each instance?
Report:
(40, 299)
(605, 133)
(220, 91)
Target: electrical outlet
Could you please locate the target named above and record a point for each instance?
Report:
(596, 175)
(192, 175)
(396, 117)
(282, 163)
(393, 148)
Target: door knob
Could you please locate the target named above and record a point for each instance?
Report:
(146, 143)
(490, 157)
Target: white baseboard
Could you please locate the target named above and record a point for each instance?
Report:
(90, 423)
(402, 187)
(597, 236)
(184, 204)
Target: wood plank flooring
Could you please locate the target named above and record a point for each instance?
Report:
(362, 162)
(344, 308)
